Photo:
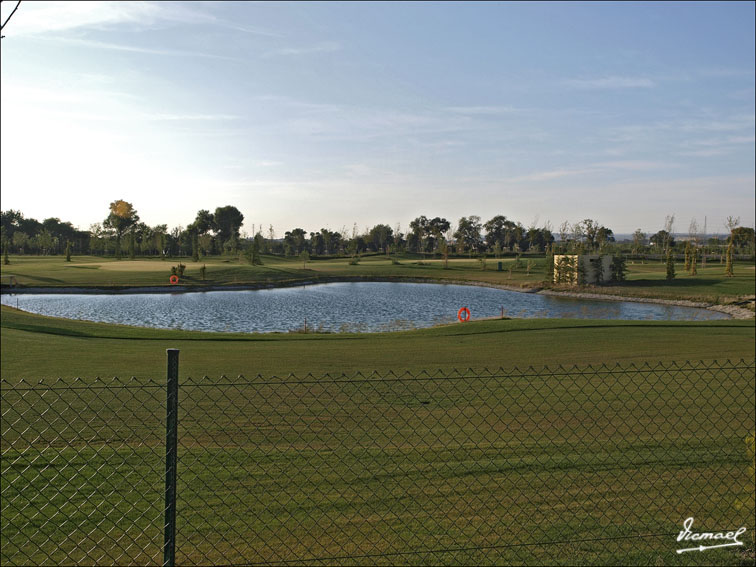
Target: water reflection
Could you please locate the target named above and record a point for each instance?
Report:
(336, 307)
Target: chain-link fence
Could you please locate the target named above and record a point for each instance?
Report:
(567, 465)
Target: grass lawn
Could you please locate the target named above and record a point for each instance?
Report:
(447, 470)
(483, 467)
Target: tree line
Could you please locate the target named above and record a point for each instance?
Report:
(121, 233)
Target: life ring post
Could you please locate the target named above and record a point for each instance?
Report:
(463, 314)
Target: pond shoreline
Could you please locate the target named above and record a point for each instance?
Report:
(733, 311)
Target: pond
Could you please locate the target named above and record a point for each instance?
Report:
(335, 307)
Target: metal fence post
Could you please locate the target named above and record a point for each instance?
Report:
(171, 442)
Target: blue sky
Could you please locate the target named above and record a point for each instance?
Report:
(325, 115)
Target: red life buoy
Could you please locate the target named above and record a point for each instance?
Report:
(174, 279)
(463, 314)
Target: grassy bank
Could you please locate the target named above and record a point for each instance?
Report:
(35, 346)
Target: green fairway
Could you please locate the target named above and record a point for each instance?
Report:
(34, 346)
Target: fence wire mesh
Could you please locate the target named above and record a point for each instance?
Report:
(562, 465)
(82, 466)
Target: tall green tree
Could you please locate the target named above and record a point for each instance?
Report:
(380, 237)
(226, 223)
(122, 216)
(468, 234)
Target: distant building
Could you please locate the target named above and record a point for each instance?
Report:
(590, 268)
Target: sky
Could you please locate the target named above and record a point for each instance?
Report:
(327, 115)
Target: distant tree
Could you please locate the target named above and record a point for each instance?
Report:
(226, 223)
(589, 231)
(731, 224)
(687, 256)
(6, 260)
(603, 237)
(204, 222)
(670, 266)
(550, 263)
(304, 256)
(132, 245)
(743, 238)
(68, 251)
(10, 221)
(195, 246)
(20, 239)
(256, 242)
(295, 241)
(159, 236)
(499, 230)
(257, 246)
(122, 216)
(468, 234)
(598, 270)
(639, 237)
(419, 229)
(619, 268)
(380, 237)
(437, 228)
(669, 223)
(663, 241)
(443, 248)
(579, 269)
(231, 246)
(564, 232)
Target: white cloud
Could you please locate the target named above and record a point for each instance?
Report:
(636, 165)
(482, 110)
(44, 17)
(600, 167)
(40, 18)
(137, 48)
(553, 174)
(611, 82)
(322, 47)
(190, 117)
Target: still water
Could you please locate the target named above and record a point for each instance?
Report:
(344, 307)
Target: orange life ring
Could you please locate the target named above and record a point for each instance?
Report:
(463, 314)
(174, 279)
